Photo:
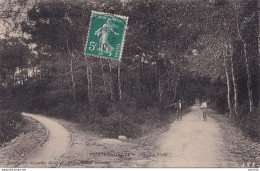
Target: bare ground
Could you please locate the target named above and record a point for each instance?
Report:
(191, 142)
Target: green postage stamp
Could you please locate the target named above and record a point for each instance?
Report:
(106, 35)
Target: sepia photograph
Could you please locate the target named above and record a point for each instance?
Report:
(129, 84)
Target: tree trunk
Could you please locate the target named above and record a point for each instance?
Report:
(103, 78)
(248, 33)
(138, 85)
(160, 88)
(175, 90)
(228, 84)
(69, 84)
(71, 73)
(72, 79)
(249, 83)
(127, 82)
(91, 84)
(234, 80)
(89, 79)
(110, 82)
(140, 66)
(14, 79)
(119, 82)
(22, 74)
(27, 76)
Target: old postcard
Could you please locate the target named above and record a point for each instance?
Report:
(129, 84)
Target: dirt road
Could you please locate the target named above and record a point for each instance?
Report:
(50, 153)
(192, 142)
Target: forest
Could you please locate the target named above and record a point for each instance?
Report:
(173, 50)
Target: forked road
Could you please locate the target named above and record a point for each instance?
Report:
(192, 142)
(49, 153)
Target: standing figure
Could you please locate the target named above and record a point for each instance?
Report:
(103, 33)
(204, 107)
(179, 111)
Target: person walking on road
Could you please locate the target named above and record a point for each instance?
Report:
(179, 111)
(204, 107)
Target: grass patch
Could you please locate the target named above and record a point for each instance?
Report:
(10, 125)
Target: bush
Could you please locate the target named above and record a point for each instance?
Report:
(143, 101)
(102, 105)
(61, 109)
(119, 124)
(126, 118)
(119, 120)
(10, 124)
(250, 123)
(129, 117)
(243, 109)
(68, 111)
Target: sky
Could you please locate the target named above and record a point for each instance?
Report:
(9, 8)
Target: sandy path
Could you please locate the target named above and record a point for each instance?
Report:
(191, 142)
(49, 153)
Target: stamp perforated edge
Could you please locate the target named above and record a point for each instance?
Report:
(123, 39)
